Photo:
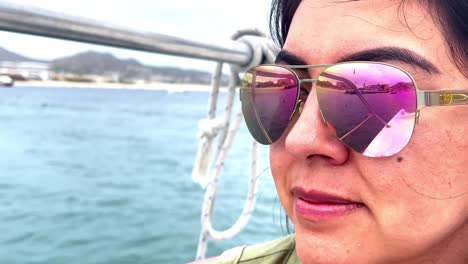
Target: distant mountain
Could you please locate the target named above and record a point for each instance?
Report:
(125, 70)
(92, 62)
(6, 55)
(106, 64)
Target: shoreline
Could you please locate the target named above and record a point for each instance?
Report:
(171, 87)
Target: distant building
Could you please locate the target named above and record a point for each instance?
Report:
(30, 70)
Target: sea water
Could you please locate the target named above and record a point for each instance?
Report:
(104, 176)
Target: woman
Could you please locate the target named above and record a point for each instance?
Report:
(381, 190)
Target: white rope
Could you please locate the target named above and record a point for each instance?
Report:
(208, 129)
(262, 51)
(249, 205)
(210, 193)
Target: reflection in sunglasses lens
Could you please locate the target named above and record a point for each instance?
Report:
(268, 96)
(371, 106)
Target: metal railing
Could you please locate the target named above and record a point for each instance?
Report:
(36, 21)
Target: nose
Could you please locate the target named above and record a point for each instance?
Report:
(310, 137)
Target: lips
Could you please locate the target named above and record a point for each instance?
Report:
(316, 205)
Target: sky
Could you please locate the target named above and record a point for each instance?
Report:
(205, 20)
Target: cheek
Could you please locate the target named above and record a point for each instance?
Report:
(431, 178)
(422, 198)
(436, 156)
(278, 166)
(280, 163)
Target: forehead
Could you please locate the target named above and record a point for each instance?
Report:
(328, 27)
(377, 12)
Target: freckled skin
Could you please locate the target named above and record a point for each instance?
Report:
(416, 211)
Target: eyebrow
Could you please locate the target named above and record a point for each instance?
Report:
(378, 54)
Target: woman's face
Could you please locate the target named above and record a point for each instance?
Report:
(348, 208)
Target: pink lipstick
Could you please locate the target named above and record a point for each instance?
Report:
(321, 206)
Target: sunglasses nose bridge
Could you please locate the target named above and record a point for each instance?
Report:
(301, 101)
(308, 88)
(313, 81)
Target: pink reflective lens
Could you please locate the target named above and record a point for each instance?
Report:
(268, 96)
(372, 106)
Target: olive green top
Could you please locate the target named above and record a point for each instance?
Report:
(281, 250)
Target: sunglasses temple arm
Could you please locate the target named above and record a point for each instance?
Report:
(359, 94)
(442, 98)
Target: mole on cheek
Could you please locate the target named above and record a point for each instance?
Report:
(399, 159)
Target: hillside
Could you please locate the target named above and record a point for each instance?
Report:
(91, 62)
(106, 64)
(6, 55)
(125, 70)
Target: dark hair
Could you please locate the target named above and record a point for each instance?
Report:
(450, 15)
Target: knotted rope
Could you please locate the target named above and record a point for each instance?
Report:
(262, 52)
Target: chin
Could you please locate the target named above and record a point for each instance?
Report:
(322, 247)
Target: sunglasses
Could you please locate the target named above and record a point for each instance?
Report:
(372, 107)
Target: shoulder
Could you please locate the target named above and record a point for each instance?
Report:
(281, 250)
